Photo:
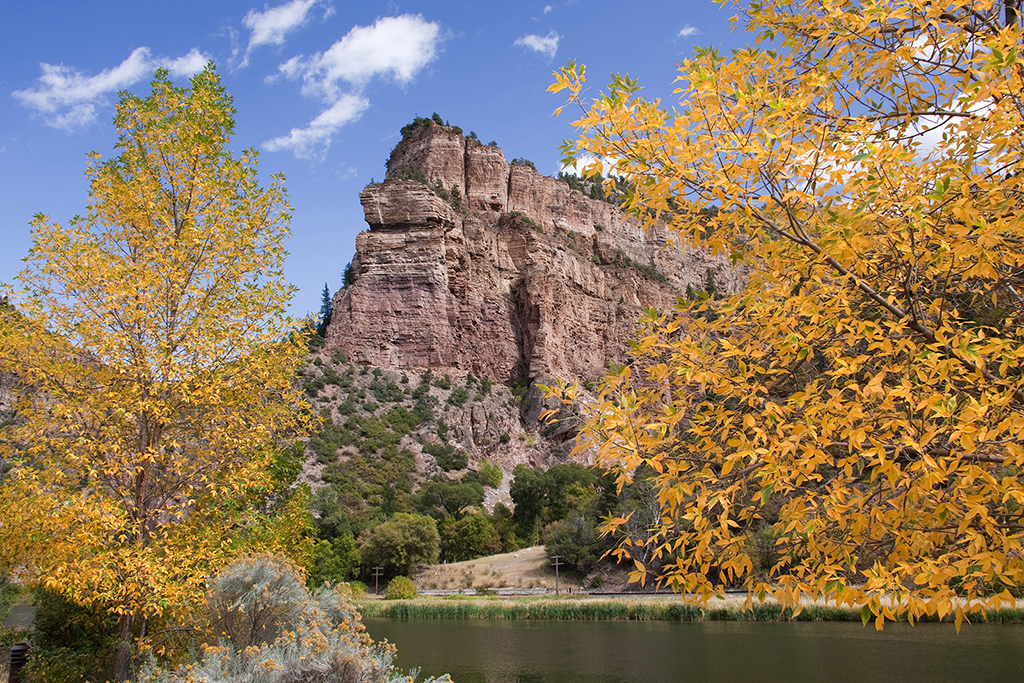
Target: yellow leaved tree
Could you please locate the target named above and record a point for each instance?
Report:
(849, 426)
(155, 367)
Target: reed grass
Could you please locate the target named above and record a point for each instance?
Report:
(548, 609)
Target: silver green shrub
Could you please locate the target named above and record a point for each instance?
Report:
(252, 600)
(316, 638)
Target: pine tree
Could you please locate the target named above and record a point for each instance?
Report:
(326, 309)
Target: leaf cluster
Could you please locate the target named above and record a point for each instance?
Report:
(858, 406)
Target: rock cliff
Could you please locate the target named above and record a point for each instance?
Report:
(475, 265)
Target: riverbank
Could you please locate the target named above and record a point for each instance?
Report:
(669, 608)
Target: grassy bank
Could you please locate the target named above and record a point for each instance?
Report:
(627, 609)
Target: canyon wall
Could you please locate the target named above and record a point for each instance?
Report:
(473, 264)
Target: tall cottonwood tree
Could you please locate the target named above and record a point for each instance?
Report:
(859, 404)
(156, 370)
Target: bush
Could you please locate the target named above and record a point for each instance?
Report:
(70, 643)
(490, 474)
(402, 421)
(409, 174)
(400, 588)
(458, 397)
(321, 637)
(314, 386)
(408, 128)
(386, 391)
(457, 460)
(422, 409)
(522, 161)
(254, 598)
(527, 220)
(448, 458)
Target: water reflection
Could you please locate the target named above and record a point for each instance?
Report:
(478, 651)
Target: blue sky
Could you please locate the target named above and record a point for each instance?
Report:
(322, 88)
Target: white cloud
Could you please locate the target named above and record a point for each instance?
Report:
(68, 99)
(395, 47)
(545, 45)
(687, 31)
(189, 65)
(270, 26)
(291, 69)
(313, 140)
(548, 8)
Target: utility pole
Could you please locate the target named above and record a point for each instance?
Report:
(377, 573)
(556, 563)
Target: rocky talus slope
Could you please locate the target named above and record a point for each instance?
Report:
(392, 429)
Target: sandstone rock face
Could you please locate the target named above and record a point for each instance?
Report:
(497, 270)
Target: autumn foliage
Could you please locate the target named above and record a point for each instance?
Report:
(155, 367)
(854, 416)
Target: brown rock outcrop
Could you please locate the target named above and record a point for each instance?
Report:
(475, 265)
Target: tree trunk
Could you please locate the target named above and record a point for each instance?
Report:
(125, 648)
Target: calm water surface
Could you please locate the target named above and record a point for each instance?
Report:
(480, 651)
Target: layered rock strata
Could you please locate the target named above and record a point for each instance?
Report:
(472, 264)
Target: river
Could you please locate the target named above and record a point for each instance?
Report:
(482, 651)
